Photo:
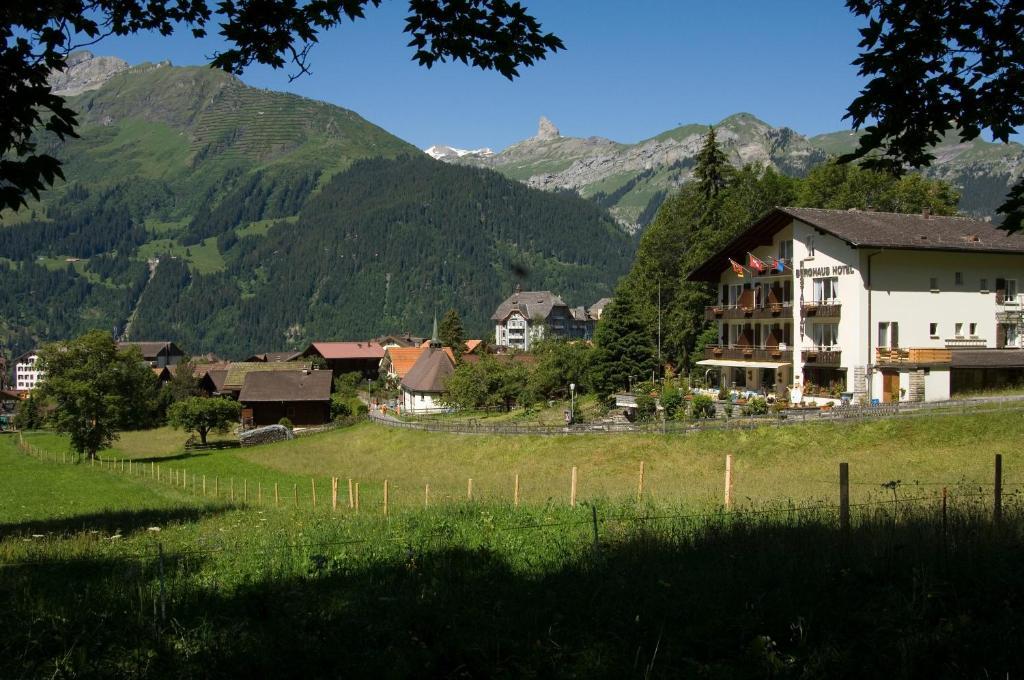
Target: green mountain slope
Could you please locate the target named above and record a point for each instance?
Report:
(233, 219)
(632, 180)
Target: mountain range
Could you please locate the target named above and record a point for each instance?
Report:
(234, 219)
(632, 180)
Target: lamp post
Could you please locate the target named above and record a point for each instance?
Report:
(572, 403)
(369, 394)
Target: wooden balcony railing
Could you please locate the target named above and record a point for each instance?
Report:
(912, 356)
(828, 310)
(822, 357)
(767, 311)
(749, 353)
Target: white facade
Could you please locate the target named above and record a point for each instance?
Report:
(26, 375)
(868, 323)
(421, 402)
(517, 332)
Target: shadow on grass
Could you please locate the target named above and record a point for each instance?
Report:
(751, 601)
(185, 455)
(125, 522)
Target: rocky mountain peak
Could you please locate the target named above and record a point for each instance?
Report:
(546, 129)
(84, 71)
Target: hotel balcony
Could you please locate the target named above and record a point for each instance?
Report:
(824, 310)
(822, 356)
(966, 342)
(775, 310)
(912, 356)
(748, 353)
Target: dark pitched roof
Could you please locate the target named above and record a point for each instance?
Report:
(987, 358)
(262, 386)
(238, 370)
(151, 349)
(430, 371)
(217, 377)
(531, 303)
(869, 229)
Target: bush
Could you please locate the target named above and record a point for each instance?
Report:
(702, 406)
(646, 407)
(728, 408)
(340, 407)
(284, 422)
(671, 401)
(723, 393)
(361, 409)
(757, 406)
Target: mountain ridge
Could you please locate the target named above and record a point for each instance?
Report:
(631, 179)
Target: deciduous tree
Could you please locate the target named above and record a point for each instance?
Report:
(203, 415)
(96, 390)
(937, 67)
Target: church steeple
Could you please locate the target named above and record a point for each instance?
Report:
(434, 342)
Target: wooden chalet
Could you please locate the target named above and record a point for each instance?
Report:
(301, 396)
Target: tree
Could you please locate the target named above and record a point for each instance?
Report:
(183, 383)
(451, 334)
(203, 415)
(936, 67)
(96, 390)
(466, 387)
(560, 363)
(622, 349)
(36, 40)
(712, 170)
(29, 415)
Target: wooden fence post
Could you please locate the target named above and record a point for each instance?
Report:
(312, 483)
(277, 496)
(245, 490)
(469, 489)
(515, 493)
(640, 484)
(295, 494)
(572, 488)
(997, 498)
(152, 468)
(357, 497)
(231, 483)
(334, 493)
(259, 492)
(385, 496)
(426, 496)
(204, 486)
(844, 496)
(728, 481)
(351, 496)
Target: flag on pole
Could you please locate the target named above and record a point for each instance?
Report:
(778, 265)
(756, 263)
(737, 268)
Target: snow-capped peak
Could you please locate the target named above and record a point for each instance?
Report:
(441, 151)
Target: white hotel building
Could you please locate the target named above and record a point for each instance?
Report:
(26, 373)
(871, 305)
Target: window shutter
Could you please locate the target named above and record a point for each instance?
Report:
(894, 334)
(1000, 335)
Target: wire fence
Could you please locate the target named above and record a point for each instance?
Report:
(782, 418)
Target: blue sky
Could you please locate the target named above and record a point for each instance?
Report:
(630, 71)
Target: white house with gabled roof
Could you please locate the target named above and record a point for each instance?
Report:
(874, 306)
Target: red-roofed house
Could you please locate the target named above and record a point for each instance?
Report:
(349, 357)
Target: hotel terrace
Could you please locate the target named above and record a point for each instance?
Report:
(866, 305)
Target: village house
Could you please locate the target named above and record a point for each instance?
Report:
(157, 353)
(348, 357)
(301, 396)
(398, 361)
(867, 305)
(424, 384)
(26, 374)
(237, 372)
(288, 355)
(528, 316)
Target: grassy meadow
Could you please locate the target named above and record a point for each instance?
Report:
(109, 574)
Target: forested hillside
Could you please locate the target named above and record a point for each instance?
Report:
(275, 220)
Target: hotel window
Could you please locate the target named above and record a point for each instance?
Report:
(973, 329)
(888, 334)
(933, 329)
(959, 330)
(826, 289)
(958, 278)
(1012, 336)
(786, 250)
(1011, 290)
(984, 285)
(825, 334)
(933, 284)
(810, 246)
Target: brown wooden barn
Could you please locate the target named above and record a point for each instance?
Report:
(303, 397)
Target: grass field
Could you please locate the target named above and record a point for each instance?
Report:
(797, 463)
(671, 588)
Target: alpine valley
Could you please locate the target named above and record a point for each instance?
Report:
(231, 218)
(632, 180)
